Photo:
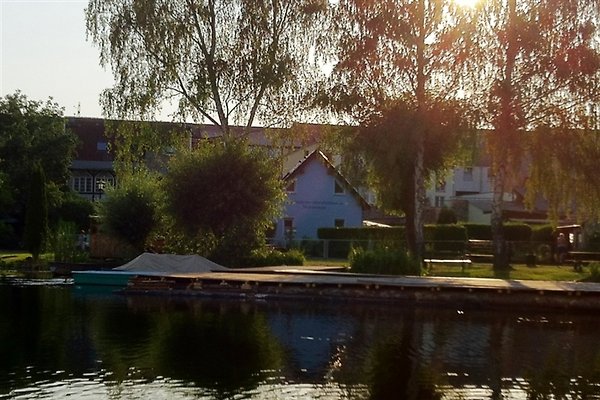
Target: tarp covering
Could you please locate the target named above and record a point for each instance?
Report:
(172, 263)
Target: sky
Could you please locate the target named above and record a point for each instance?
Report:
(44, 53)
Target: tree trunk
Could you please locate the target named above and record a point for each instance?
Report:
(505, 140)
(501, 255)
(419, 200)
(421, 96)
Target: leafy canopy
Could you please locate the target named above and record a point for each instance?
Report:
(130, 210)
(32, 132)
(222, 61)
(231, 192)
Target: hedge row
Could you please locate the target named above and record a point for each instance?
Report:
(451, 232)
(371, 233)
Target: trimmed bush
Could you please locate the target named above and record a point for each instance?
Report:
(269, 257)
(446, 237)
(542, 234)
(478, 231)
(446, 216)
(517, 232)
(383, 261)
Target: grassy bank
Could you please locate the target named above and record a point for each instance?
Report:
(518, 271)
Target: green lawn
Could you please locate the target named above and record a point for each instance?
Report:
(518, 271)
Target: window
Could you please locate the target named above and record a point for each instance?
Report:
(439, 201)
(82, 184)
(338, 223)
(339, 189)
(289, 231)
(468, 174)
(101, 146)
(291, 187)
(288, 223)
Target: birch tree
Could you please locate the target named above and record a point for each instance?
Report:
(391, 51)
(535, 64)
(218, 61)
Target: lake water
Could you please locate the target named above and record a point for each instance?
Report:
(60, 341)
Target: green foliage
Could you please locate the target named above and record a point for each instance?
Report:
(383, 261)
(446, 237)
(512, 232)
(36, 217)
(517, 232)
(542, 234)
(390, 141)
(594, 272)
(64, 243)
(32, 132)
(478, 231)
(129, 211)
(140, 146)
(227, 191)
(266, 257)
(75, 209)
(219, 61)
(593, 241)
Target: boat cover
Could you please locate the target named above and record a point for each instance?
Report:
(172, 263)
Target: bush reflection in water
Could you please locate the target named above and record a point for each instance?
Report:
(58, 341)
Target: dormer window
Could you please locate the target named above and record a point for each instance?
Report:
(338, 189)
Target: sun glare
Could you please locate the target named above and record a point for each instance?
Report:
(466, 3)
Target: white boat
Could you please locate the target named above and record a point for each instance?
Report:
(147, 264)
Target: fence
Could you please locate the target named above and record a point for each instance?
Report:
(479, 250)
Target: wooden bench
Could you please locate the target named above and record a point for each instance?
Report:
(581, 258)
(464, 262)
(480, 250)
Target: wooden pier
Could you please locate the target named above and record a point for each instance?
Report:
(321, 283)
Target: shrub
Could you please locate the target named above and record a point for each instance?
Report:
(383, 261)
(517, 232)
(64, 244)
(268, 257)
(542, 234)
(36, 216)
(478, 231)
(594, 272)
(129, 211)
(230, 191)
(75, 209)
(446, 216)
(446, 237)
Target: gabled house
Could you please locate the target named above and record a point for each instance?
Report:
(317, 196)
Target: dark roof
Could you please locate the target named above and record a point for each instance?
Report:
(90, 132)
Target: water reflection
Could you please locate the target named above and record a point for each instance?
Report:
(62, 341)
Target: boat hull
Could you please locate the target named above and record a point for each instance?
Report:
(102, 278)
